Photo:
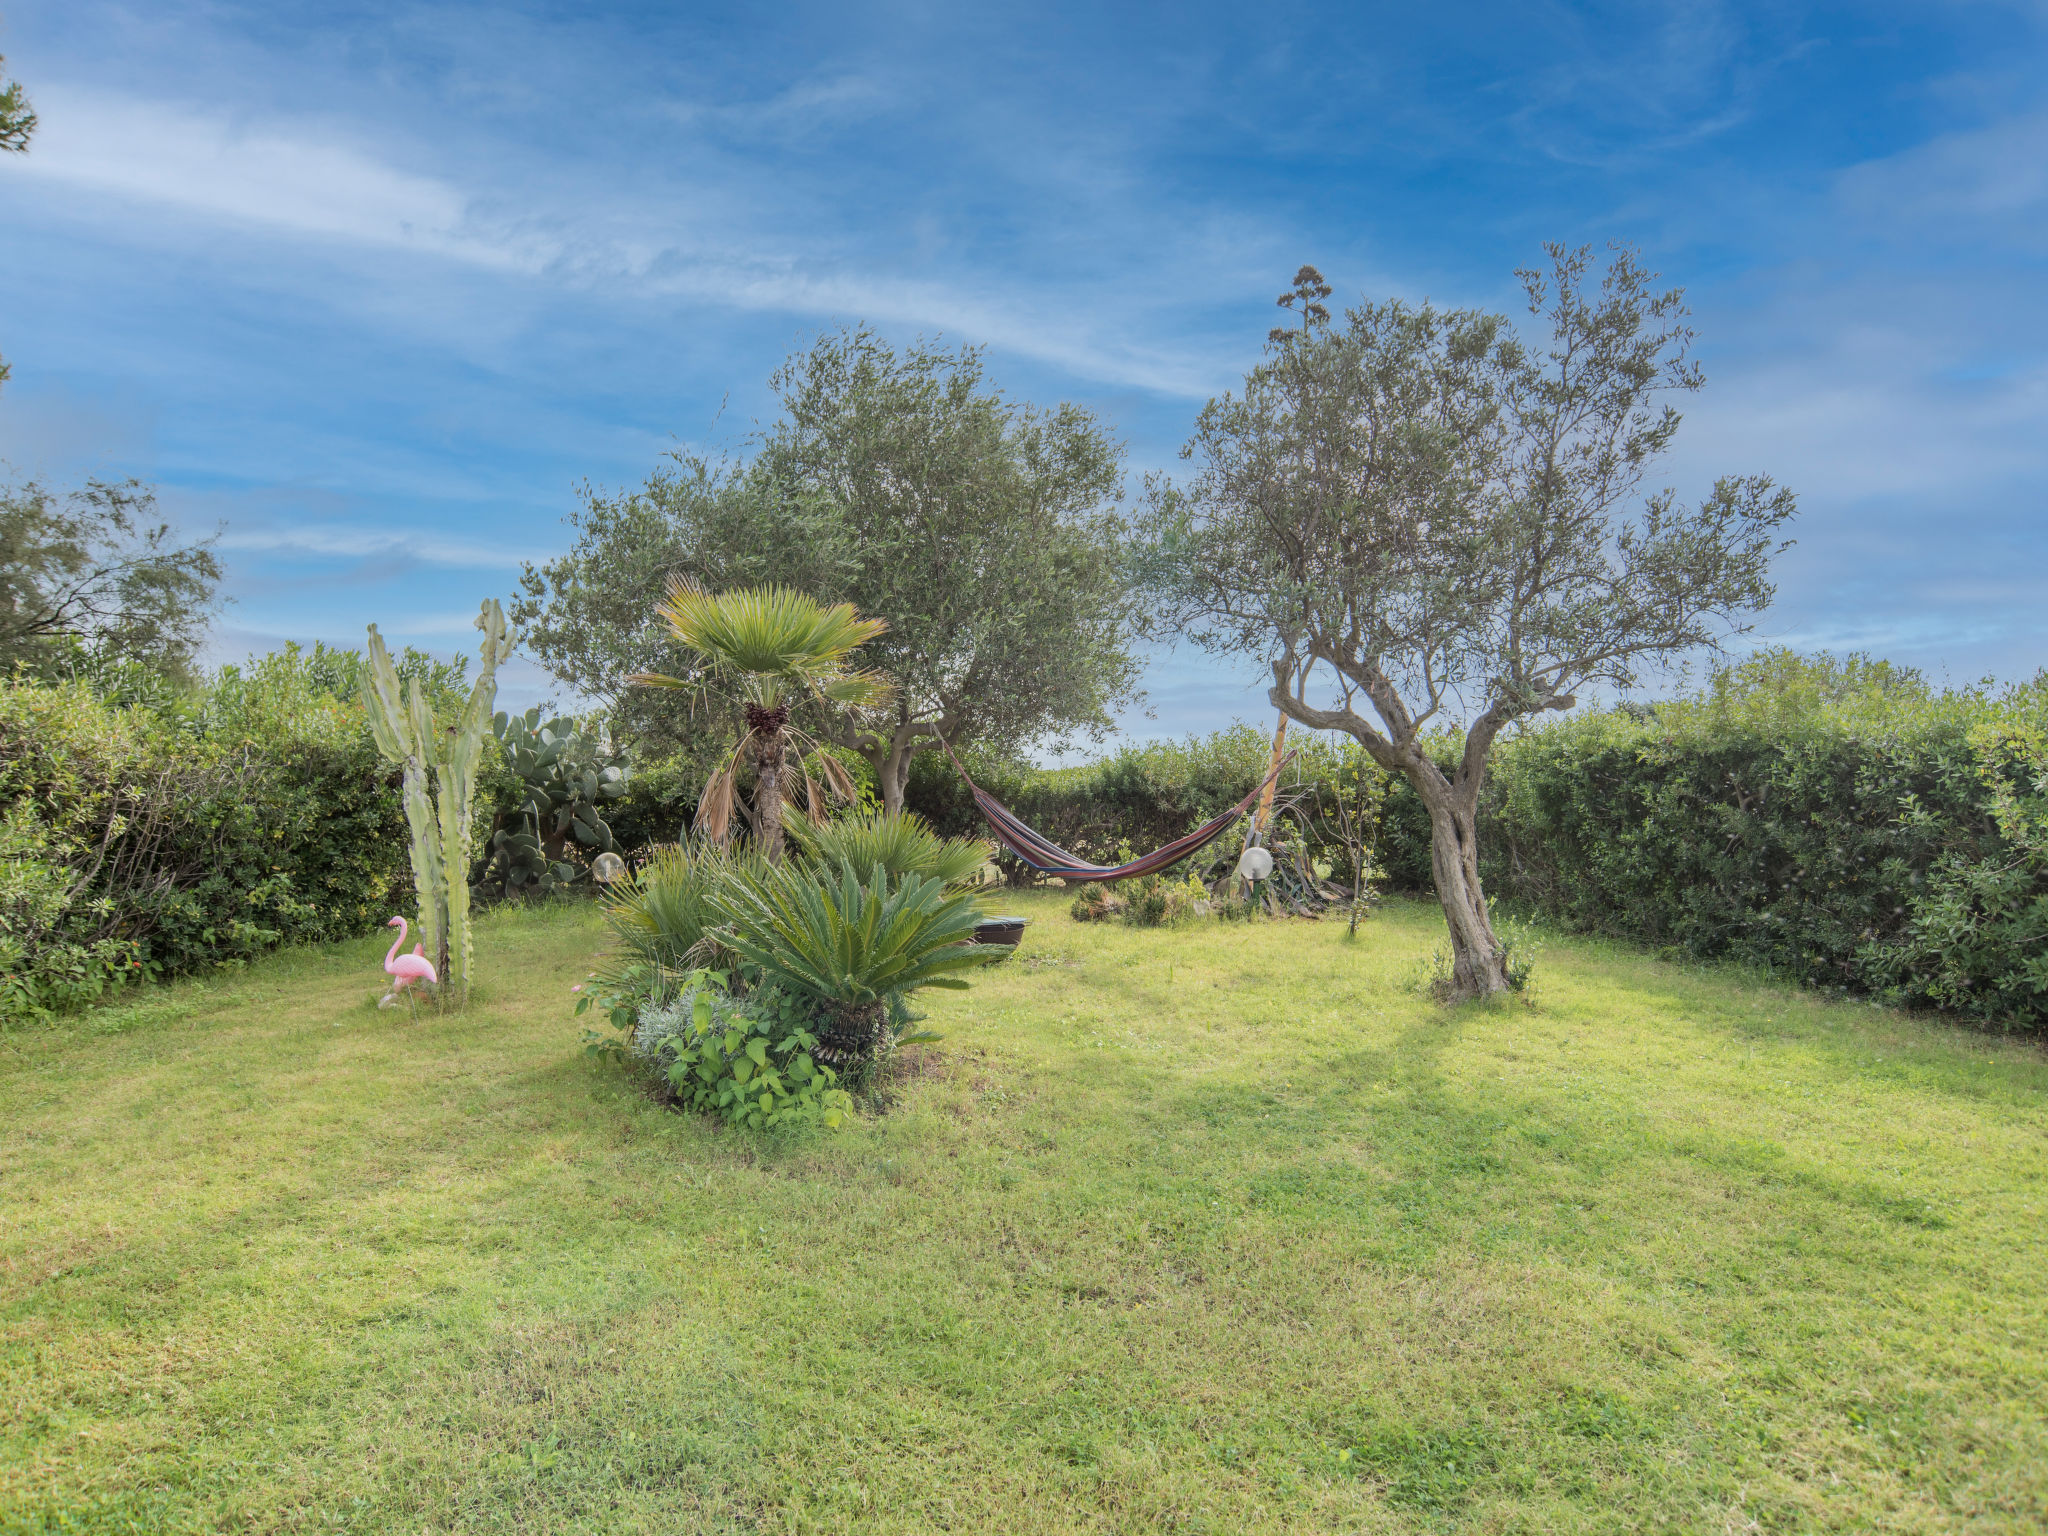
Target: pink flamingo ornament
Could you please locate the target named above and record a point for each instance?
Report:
(404, 970)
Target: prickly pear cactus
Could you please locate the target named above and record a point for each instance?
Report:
(408, 733)
(567, 778)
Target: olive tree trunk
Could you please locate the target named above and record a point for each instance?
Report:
(889, 749)
(1478, 960)
(892, 772)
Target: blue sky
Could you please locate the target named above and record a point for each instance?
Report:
(374, 287)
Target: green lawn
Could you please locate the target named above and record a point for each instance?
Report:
(1221, 1229)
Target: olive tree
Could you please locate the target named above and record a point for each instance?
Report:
(1422, 524)
(92, 573)
(983, 530)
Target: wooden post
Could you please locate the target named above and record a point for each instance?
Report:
(1264, 814)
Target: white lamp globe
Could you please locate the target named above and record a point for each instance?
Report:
(1255, 864)
(608, 867)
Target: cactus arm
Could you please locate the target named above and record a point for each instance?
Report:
(463, 748)
(387, 716)
(429, 864)
(458, 781)
(419, 716)
(429, 874)
(476, 719)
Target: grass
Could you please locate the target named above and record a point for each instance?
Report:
(1217, 1229)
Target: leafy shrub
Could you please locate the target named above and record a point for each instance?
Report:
(256, 815)
(1154, 901)
(1976, 941)
(47, 964)
(749, 1062)
(1092, 903)
(661, 1029)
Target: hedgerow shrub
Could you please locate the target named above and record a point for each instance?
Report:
(159, 840)
(1834, 822)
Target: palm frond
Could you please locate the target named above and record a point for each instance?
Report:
(714, 805)
(856, 690)
(767, 631)
(836, 778)
(814, 798)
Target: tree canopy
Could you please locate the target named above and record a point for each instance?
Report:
(17, 125)
(91, 569)
(17, 118)
(985, 532)
(1415, 520)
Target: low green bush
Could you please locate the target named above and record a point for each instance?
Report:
(1157, 901)
(902, 844)
(753, 988)
(745, 1059)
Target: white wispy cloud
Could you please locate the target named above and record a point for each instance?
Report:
(305, 180)
(1960, 185)
(226, 167)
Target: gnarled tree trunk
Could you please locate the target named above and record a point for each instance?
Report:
(1478, 960)
(893, 772)
(888, 750)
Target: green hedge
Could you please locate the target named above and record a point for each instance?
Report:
(160, 840)
(1890, 844)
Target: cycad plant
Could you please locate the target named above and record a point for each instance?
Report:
(661, 924)
(903, 844)
(847, 945)
(771, 646)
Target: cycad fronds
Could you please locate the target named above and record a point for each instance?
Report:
(903, 844)
(660, 920)
(849, 942)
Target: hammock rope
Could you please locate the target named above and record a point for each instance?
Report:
(1048, 858)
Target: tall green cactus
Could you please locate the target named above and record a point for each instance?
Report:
(408, 734)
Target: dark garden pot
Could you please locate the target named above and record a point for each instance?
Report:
(1000, 930)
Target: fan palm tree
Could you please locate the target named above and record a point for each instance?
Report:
(771, 646)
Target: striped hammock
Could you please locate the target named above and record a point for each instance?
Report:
(1050, 859)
